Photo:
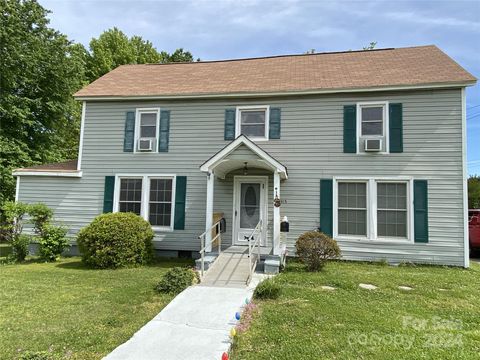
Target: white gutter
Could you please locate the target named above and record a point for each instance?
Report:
(74, 174)
(269, 94)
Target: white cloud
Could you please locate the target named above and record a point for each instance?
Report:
(415, 17)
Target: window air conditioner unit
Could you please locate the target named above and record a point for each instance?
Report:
(145, 144)
(373, 145)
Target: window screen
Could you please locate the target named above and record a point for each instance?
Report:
(130, 195)
(148, 125)
(160, 202)
(252, 123)
(392, 210)
(372, 120)
(352, 208)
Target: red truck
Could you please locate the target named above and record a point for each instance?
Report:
(474, 228)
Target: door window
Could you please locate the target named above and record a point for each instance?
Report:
(249, 205)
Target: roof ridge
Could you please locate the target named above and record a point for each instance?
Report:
(279, 56)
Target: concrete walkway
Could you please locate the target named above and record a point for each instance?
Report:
(195, 325)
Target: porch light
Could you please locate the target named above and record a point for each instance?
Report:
(245, 169)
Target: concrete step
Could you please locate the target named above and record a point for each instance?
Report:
(209, 260)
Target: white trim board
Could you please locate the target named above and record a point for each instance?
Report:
(17, 189)
(276, 93)
(210, 164)
(466, 244)
(82, 129)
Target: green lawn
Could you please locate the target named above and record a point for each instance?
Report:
(439, 319)
(77, 312)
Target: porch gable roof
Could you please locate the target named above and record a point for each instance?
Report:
(264, 158)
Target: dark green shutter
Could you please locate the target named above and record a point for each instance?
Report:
(180, 195)
(326, 206)
(420, 210)
(350, 129)
(396, 128)
(229, 124)
(129, 136)
(164, 131)
(274, 126)
(108, 194)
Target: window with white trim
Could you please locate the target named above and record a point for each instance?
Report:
(372, 124)
(373, 209)
(392, 209)
(352, 208)
(130, 195)
(160, 202)
(150, 196)
(252, 122)
(147, 130)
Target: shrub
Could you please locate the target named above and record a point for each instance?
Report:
(176, 280)
(20, 247)
(38, 355)
(40, 215)
(267, 289)
(13, 219)
(314, 249)
(115, 240)
(52, 241)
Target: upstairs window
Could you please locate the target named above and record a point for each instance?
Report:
(252, 121)
(372, 120)
(147, 130)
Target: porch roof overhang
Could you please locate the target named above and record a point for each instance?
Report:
(225, 160)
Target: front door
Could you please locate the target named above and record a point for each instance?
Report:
(249, 207)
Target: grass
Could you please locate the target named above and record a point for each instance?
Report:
(73, 311)
(438, 319)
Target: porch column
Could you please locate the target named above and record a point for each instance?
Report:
(209, 210)
(276, 214)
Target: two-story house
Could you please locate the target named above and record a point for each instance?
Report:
(368, 146)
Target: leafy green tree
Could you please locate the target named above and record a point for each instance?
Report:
(114, 48)
(40, 70)
(178, 55)
(474, 192)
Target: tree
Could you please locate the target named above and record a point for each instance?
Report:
(40, 70)
(474, 192)
(370, 46)
(113, 48)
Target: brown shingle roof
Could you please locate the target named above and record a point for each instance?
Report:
(70, 165)
(414, 66)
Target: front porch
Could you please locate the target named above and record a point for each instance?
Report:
(243, 183)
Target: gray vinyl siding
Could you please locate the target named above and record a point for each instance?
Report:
(311, 147)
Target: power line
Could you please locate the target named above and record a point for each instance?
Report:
(472, 107)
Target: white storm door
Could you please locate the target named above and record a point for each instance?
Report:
(249, 207)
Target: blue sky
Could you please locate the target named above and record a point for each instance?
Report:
(222, 29)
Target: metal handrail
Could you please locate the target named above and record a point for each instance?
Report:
(203, 245)
(251, 248)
